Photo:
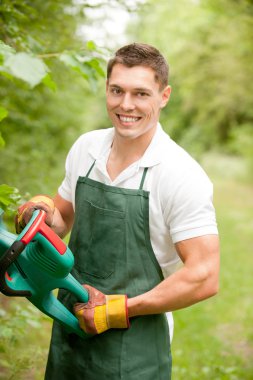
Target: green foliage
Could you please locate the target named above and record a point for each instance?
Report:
(241, 143)
(26, 25)
(28, 68)
(21, 322)
(8, 196)
(3, 114)
(90, 68)
(209, 47)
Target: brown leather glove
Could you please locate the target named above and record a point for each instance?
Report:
(38, 202)
(102, 312)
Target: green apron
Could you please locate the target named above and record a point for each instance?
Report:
(111, 243)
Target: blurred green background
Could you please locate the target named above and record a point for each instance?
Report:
(52, 89)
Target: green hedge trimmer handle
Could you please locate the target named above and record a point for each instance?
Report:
(35, 225)
(35, 263)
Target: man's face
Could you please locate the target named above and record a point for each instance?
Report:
(134, 100)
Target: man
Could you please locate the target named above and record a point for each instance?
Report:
(137, 205)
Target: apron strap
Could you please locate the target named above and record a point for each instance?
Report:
(143, 178)
(90, 169)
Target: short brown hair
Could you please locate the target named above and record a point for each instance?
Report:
(139, 54)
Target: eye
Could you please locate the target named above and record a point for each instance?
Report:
(116, 91)
(142, 94)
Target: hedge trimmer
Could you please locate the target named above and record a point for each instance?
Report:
(35, 263)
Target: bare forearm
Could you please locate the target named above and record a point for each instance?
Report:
(197, 280)
(176, 292)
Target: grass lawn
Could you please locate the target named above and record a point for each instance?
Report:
(24, 340)
(213, 340)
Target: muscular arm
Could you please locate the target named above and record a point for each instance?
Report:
(197, 280)
(63, 216)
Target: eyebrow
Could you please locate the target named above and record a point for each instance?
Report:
(143, 89)
(138, 89)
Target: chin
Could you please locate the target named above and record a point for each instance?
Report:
(127, 134)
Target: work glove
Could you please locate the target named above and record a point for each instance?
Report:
(38, 202)
(102, 312)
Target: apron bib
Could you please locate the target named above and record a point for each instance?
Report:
(111, 244)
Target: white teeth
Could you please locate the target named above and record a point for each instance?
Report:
(128, 119)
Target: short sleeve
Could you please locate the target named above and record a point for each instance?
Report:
(65, 189)
(189, 211)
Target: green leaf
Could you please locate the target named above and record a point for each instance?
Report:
(68, 59)
(48, 81)
(26, 67)
(6, 50)
(88, 67)
(2, 142)
(91, 45)
(72, 61)
(8, 195)
(102, 53)
(3, 113)
(96, 64)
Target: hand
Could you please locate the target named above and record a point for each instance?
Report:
(39, 202)
(102, 312)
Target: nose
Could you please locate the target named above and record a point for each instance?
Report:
(127, 103)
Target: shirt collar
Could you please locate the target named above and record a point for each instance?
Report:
(100, 148)
(153, 153)
(152, 156)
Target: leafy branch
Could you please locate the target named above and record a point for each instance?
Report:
(33, 70)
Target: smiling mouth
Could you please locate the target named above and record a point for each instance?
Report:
(128, 119)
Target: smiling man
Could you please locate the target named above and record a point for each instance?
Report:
(137, 205)
(134, 101)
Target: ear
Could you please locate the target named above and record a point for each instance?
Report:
(106, 84)
(165, 96)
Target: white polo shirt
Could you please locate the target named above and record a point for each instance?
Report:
(180, 203)
(180, 192)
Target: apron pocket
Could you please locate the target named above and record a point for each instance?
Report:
(96, 254)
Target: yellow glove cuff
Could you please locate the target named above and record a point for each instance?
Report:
(116, 311)
(111, 315)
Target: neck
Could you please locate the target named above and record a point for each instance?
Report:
(125, 152)
(132, 147)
